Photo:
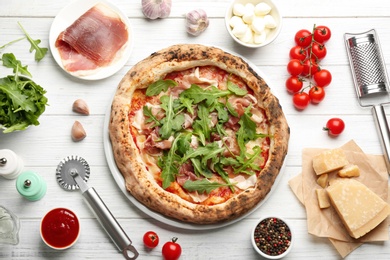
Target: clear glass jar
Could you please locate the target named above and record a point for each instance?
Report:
(9, 227)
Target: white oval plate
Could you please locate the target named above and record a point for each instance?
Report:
(120, 181)
(71, 13)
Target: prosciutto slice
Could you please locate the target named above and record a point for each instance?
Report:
(93, 40)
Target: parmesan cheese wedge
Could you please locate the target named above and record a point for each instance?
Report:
(359, 208)
(330, 160)
(350, 170)
(323, 199)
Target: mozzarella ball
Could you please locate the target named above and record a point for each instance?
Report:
(259, 38)
(238, 9)
(248, 16)
(262, 9)
(250, 7)
(240, 30)
(248, 37)
(235, 20)
(258, 25)
(269, 21)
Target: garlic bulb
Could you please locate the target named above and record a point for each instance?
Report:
(196, 22)
(154, 9)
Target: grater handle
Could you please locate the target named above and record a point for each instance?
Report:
(383, 129)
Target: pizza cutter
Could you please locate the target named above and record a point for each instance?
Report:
(72, 174)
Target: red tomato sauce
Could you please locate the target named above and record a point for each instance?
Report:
(60, 228)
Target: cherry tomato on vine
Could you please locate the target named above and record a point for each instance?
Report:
(298, 52)
(294, 84)
(322, 78)
(334, 126)
(303, 38)
(317, 94)
(318, 50)
(310, 67)
(171, 250)
(295, 67)
(301, 100)
(322, 34)
(150, 239)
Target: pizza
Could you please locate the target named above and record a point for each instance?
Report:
(197, 134)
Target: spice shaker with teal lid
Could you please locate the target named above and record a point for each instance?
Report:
(31, 185)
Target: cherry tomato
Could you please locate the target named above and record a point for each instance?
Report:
(321, 34)
(322, 78)
(298, 52)
(334, 126)
(317, 94)
(319, 50)
(310, 67)
(301, 100)
(151, 239)
(303, 38)
(171, 250)
(295, 67)
(293, 84)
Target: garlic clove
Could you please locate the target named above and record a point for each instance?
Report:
(196, 22)
(154, 9)
(81, 107)
(78, 133)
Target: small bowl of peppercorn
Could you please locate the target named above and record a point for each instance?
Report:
(272, 238)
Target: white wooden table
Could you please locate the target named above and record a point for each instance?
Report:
(42, 147)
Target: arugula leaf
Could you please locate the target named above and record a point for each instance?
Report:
(11, 42)
(39, 52)
(202, 186)
(169, 165)
(236, 89)
(200, 151)
(160, 85)
(150, 117)
(170, 122)
(223, 115)
(200, 169)
(187, 103)
(231, 109)
(218, 168)
(199, 94)
(248, 166)
(10, 61)
(202, 125)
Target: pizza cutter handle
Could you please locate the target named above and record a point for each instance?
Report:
(384, 131)
(110, 225)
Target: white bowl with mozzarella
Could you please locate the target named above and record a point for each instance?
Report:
(253, 23)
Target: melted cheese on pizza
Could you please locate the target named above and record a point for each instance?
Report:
(202, 135)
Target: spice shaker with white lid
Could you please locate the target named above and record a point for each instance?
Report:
(11, 165)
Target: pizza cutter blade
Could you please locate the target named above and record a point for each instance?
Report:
(72, 174)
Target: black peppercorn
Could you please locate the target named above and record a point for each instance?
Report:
(272, 236)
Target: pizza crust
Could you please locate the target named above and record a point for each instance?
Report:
(141, 184)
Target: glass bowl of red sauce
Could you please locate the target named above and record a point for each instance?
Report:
(60, 228)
